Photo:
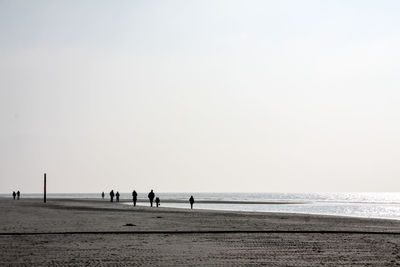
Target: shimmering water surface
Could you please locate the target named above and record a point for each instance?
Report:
(369, 205)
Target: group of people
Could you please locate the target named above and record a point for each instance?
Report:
(151, 197)
(16, 195)
(112, 196)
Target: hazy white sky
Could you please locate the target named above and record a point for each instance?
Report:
(210, 96)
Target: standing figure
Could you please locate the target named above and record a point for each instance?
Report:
(102, 195)
(117, 195)
(191, 201)
(112, 196)
(151, 197)
(18, 194)
(157, 201)
(13, 194)
(134, 198)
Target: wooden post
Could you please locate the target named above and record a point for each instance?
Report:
(44, 192)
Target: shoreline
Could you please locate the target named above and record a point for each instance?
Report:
(93, 205)
(142, 200)
(128, 202)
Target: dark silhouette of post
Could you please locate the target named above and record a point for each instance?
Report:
(44, 192)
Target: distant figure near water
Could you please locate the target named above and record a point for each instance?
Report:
(151, 197)
(102, 195)
(14, 194)
(134, 198)
(117, 195)
(112, 196)
(157, 202)
(191, 201)
(18, 194)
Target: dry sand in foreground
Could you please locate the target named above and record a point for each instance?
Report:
(94, 232)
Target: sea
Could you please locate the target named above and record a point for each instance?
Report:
(365, 205)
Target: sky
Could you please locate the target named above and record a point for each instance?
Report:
(200, 96)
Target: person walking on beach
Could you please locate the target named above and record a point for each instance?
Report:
(191, 201)
(112, 196)
(134, 198)
(157, 202)
(102, 195)
(14, 194)
(151, 197)
(18, 194)
(117, 195)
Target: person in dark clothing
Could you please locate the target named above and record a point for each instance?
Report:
(14, 194)
(102, 195)
(151, 197)
(134, 198)
(191, 201)
(117, 195)
(18, 194)
(157, 201)
(112, 196)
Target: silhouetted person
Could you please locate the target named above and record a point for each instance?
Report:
(112, 196)
(191, 201)
(102, 195)
(134, 198)
(18, 194)
(117, 195)
(151, 197)
(14, 194)
(157, 201)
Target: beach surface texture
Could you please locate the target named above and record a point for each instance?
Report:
(76, 232)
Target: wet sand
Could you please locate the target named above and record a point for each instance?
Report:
(95, 232)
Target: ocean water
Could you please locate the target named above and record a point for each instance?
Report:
(367, 205)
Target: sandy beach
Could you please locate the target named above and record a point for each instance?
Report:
(79, 232)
